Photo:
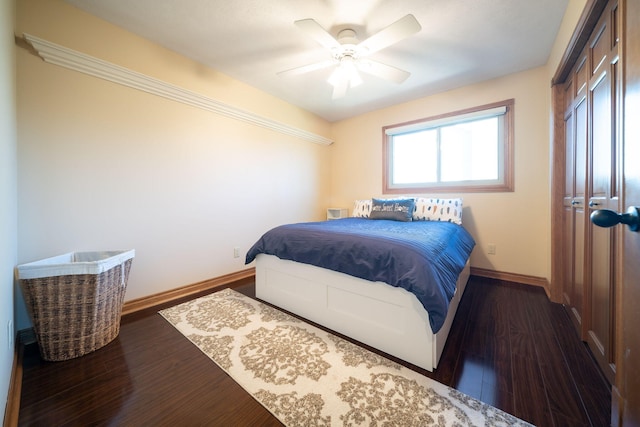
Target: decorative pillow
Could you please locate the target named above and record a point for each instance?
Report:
(394, 209)
(361, 208)
(438, 210)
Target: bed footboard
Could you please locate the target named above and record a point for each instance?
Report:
(382, 316)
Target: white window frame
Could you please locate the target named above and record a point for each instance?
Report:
(504, 183)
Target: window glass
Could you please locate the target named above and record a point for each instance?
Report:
(463, 151)
(415, 157)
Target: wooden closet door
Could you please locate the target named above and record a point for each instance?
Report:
(628, 381)
(574, 216)
(603, 192)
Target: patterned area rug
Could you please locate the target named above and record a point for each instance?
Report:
(307, 377)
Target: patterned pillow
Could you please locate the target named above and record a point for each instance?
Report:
(438, 210)
(361, 209)
(394, 209)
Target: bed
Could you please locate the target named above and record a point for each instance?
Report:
(393, 283)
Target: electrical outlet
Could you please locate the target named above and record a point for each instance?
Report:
(236, 252)
(491, 249)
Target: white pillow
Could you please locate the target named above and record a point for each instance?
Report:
(438, 210)
(361, 208)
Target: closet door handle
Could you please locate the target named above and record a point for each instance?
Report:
(609, 218)
(593, 204)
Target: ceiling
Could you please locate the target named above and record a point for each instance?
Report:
(461, 42)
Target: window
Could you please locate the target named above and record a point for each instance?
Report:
(464, 151)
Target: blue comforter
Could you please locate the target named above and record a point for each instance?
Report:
(423, 257)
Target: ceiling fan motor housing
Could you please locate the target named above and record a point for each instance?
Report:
(348, 45)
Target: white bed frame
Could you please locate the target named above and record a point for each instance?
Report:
(388, 318)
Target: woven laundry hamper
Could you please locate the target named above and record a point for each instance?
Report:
(75, 300)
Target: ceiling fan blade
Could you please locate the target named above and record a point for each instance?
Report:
(307, 68)
(383, 71)
(316, 32)
(401, 29)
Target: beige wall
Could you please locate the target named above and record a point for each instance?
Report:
(568, 25)
(103, 166)
(8, 203)
(516, 222)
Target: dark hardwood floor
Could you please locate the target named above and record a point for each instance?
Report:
(509, 346)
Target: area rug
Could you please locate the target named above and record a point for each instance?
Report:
(308, 377)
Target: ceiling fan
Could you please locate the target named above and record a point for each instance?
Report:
(351, 55)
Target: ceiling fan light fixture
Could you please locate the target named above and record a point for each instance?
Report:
(345, 71)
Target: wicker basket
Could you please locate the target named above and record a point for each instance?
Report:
(75, 300)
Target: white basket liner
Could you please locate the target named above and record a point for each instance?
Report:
(74, 263)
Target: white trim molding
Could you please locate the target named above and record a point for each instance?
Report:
(71, 59)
